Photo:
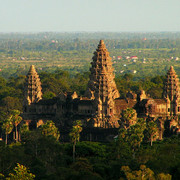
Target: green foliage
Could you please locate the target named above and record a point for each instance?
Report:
(152, 131)
(75, 132)
(21, 173)
(45, 152)
(48, 95)
(7, 126)
(16, 119)
(2, 82)
(130, 139)
(24, 128)
(49, 129)
(9, 103)
(135, 136)
(122, 149)
(88, 149)
(128, 77)
(1, 176)
(128, 117)
(24, 131)
(48, 159)
(142, 174)
(142, 123)
(82, 164)
(75, 135)
(163, 176)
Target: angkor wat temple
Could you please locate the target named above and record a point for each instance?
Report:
(101, 106)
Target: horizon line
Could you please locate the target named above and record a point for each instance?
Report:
(34, 32)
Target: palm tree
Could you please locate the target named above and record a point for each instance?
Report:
(7, 126)
(75, 135)
(16, 120)
(152, 130)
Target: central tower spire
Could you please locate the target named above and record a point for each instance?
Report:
(102, 87)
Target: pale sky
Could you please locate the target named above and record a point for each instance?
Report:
(89, 15)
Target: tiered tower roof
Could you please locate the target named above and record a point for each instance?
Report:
(102, 87)
(172, 85)
(172, 91)
(33, 88)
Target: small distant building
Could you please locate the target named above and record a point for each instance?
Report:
(22, 58)
(119, 57)
(176, 58)
(134, 71)
(133, 60)
(121, 71)
(114, 57)
(127, 57)
(133, 57)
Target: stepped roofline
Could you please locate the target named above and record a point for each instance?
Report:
(101, 45)
(32, 89)
(172, 91)
(102, 87)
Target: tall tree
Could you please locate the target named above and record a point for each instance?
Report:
(7, 126)
(75, 135)
(152, 131)
(16, 119)
(135, 135)
(123, 149)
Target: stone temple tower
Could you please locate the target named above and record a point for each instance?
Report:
(102, 88)
(172, 92)
(32, 89)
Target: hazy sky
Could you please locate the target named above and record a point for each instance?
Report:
(89, 15)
